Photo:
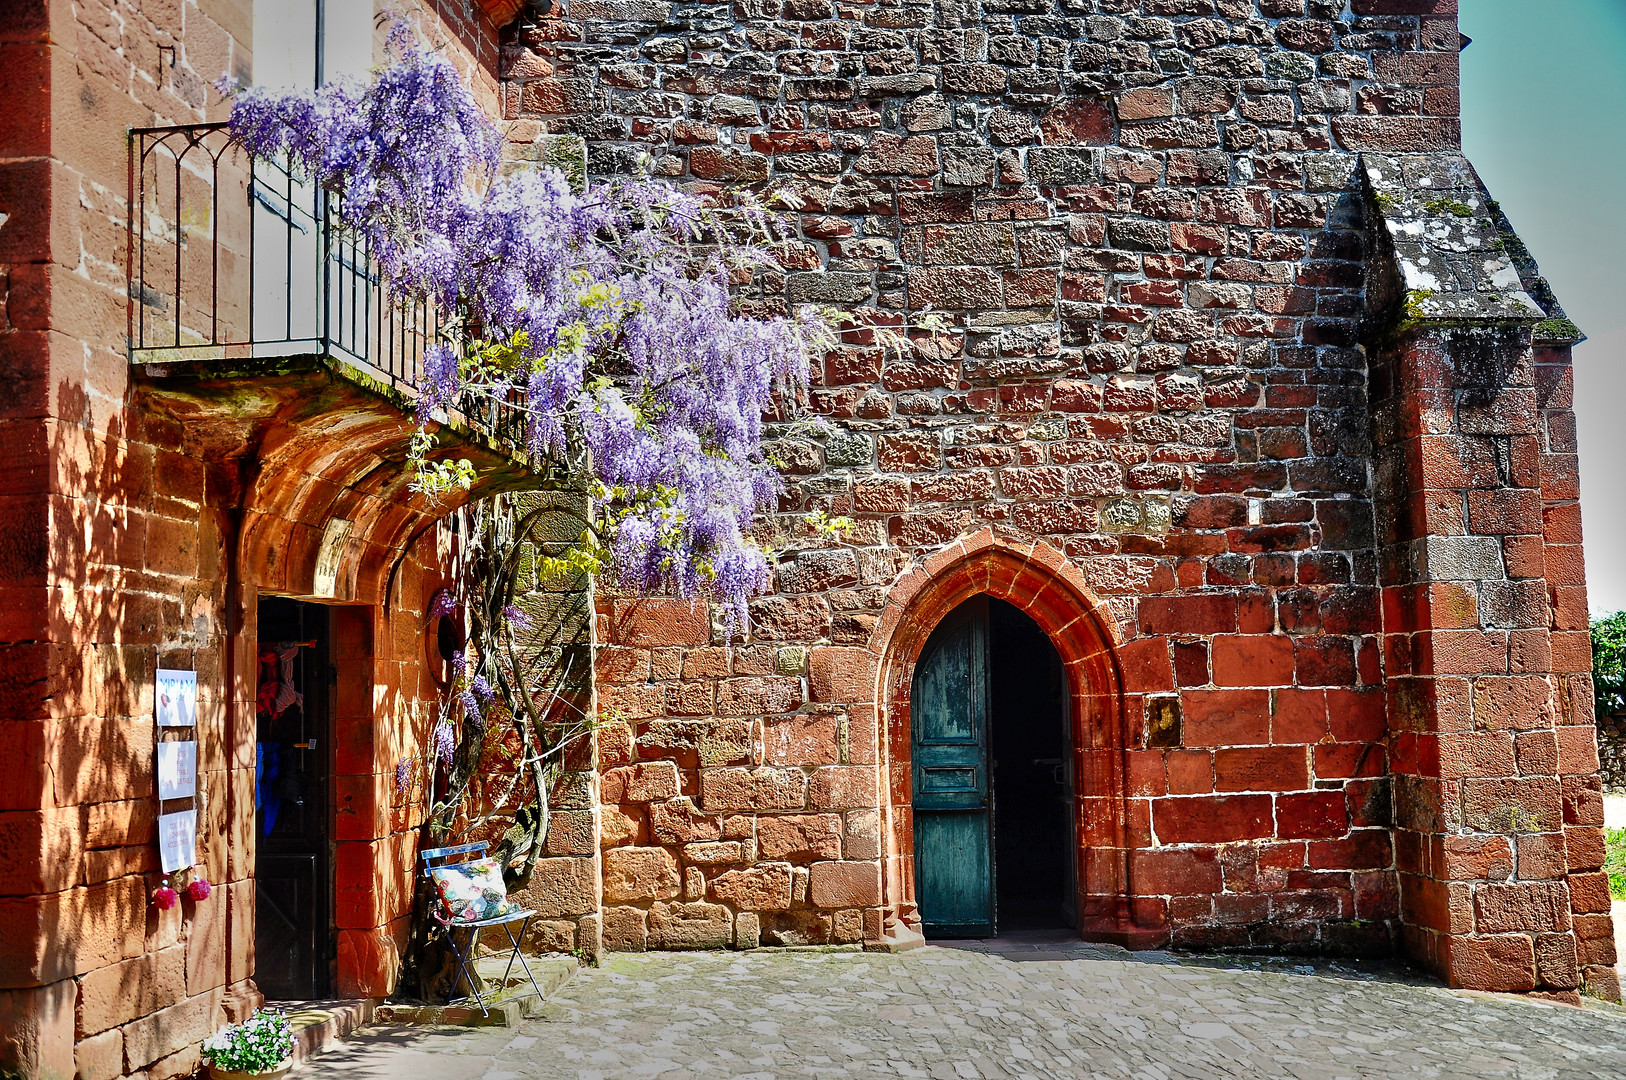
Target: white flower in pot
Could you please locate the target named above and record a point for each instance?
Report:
(261, 1046)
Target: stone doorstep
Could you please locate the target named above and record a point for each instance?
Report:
(319, 1024)
(902, 939)
(506, 1004)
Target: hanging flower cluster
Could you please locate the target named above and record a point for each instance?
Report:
(606, 317)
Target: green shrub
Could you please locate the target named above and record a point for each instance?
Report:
(1614, 862)
(1609, 663)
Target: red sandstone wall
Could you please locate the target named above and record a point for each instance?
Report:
(1497, 803)
(1142, 217)
(115, 535)
(115, 571)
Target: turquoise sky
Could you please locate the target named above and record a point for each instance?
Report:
(1544, 121)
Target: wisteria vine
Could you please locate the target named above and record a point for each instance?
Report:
(606, 317)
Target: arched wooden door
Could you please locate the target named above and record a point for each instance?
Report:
(954, 872)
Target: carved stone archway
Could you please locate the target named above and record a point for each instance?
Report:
(1050, 590)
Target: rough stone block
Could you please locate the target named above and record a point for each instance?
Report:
(1556, 961)
(1523, 906)
(625, 929)
(100, 1057)
(677, 821)
(764, 887)
(1504, 963)
(799, 837)
(690, 926)
(1457, 558)
(172, 1030)
(562, 887)
(842, 787)
(766, 788)
(37, 1029)
(632, 874)
(121, 992)
(844, 884)
(647, 781)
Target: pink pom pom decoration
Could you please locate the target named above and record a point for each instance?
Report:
(164, 897)
(199, 889)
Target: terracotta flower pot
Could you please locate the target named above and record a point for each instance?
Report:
(277, 1073)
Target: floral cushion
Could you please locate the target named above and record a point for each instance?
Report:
(471, 891)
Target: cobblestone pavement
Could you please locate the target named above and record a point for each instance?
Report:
(1037, 1008)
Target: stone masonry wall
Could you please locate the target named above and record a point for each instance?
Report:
(1142, 218)
(116, 532)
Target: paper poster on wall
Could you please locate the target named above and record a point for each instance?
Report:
(177, 698)
(177, 840)
(177, 770)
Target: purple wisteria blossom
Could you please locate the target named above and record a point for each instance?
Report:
(444, 741)
(608, 314)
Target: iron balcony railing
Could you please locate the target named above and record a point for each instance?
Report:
(237, 260)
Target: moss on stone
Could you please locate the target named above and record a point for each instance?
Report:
(1559, 329)
(1449, 206)
(1413, 312)
(1410, 316)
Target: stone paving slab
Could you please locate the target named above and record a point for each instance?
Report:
(1001, 1010)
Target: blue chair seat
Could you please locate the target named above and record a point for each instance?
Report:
(465, 955)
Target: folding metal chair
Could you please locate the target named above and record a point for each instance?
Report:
(465, 957)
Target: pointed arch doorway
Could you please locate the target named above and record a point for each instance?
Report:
(994, 799)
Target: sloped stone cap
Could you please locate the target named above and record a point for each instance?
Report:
(1445, 253)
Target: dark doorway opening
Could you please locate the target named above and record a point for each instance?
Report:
(993, 785)
(293, 935)
(1034, 858)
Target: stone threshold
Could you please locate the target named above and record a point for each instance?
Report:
(507, 1003)
(320, 1024)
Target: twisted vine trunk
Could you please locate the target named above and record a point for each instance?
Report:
(519, 703)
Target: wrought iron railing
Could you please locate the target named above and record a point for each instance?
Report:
(238, 260)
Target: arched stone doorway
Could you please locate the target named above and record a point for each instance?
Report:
(1049, 590)
(994, 805)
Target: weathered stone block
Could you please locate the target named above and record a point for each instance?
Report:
(764, 887)
(677, 821)
(37, 1033)
(168, 1031)
(799, 837)
(844, 884)
(765, 788)
(639, 874)
(690, 926)
(647, 781)
(563, 886)
(625, 929)
(1506, 962)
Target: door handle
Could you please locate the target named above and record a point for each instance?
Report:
(305, 745)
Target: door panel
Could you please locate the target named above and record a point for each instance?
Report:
(293, 935)
(287, 949)
(949, 706)
(952, 859)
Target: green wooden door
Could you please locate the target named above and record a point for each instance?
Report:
(954, 872)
